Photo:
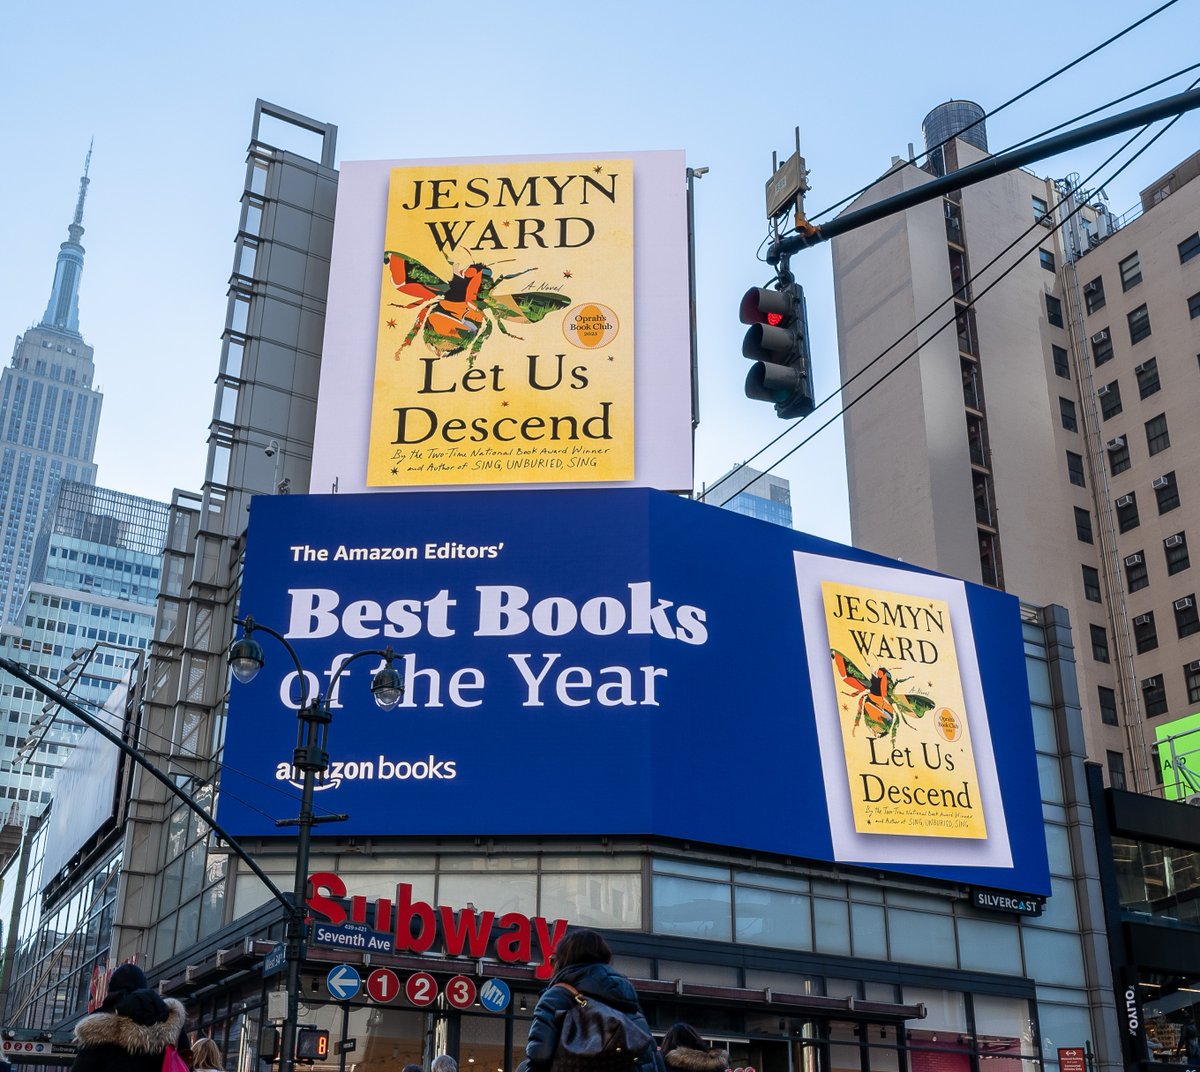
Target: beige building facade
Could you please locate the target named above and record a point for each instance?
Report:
(1037, 429)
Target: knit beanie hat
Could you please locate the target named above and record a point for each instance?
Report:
(126, 979)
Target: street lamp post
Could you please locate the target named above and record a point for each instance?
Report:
(310, 758)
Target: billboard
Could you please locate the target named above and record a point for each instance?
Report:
(630, 662)
(514, 322)
(1178, 744)
(85, 789)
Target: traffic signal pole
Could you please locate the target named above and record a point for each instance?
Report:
(985, 169)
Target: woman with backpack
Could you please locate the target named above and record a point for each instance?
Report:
(583, 969)
(134, 1029)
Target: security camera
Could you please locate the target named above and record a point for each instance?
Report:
(270, 449)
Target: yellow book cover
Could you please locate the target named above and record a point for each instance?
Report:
(505, 345)
(907, 742)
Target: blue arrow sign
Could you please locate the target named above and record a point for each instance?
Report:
(494, 995)
(343, 982)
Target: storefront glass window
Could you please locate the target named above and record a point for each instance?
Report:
(495, 893)
(831, 921)
(869, 931)
(773, 917)
(692, 908)
(386, 1039)
(987, 945)
(1158, 880)
(593, 900)
(922, 938)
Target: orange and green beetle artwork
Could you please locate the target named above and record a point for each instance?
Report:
(459, 314)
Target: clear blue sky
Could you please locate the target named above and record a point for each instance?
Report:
(168, 93)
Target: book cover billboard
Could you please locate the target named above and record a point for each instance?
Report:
(517, 322)
(850, 709)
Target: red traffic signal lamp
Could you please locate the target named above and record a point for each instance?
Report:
(777, 343)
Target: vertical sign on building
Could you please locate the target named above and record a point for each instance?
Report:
(505, 336)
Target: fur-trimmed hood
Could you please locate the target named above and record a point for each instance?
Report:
(109, 1029)
(689, 1060)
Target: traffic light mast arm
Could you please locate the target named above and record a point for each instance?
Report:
(986, 169)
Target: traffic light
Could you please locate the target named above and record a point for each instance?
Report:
(312, 1044)
(777, 343)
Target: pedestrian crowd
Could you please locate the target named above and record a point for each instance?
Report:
(587, 1020)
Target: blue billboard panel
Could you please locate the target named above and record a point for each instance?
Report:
(629, 662)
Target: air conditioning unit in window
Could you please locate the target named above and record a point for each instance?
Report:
(1143, 367)
(1160, 482)
(1193, 667)
(1104, 390)
(1152, 682)
(1115, 443)
(1100, 336)
(1124, 500)
(1047, 221)
(1184, 603)
(1092, 287)
(1134, 559)
(1173, 541)
(1143, 619)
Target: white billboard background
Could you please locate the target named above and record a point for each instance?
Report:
(662, 345)
(85, 789)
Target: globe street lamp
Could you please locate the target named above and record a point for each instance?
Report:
(310, 758)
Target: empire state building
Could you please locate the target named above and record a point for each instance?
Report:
(49, 414)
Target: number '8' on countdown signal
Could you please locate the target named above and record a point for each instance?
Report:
(312, 1043)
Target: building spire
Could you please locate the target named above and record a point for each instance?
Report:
(63, 310)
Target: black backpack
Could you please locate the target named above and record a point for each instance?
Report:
(595, 1037)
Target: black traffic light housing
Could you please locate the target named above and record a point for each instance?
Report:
(777, 343)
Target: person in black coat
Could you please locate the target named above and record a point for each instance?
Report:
(582, 960)
(132, 1030)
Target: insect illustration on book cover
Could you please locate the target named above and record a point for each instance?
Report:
(905, 733)
(461, 312)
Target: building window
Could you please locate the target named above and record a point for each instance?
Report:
(1102, 349)
(1176, 549)
(1136, 576)
(1040, 208)
(1154, 696)
(1047, 259)
(1061, 365)
(1118, 455)
(1066, 411)
(1108, 706)
(1110, 400)
(1194, 305)
(1116, 770)
(1075, 469)
(1131, 271)
(1166, 491)
(1093, 295)
(1191, 681)
(1083, 525)
(1157, 436)
(1187, 621)
(1091, 584)
(1147, 378)
(1139, 324)
(1054, 311)
(1099, 643)
(1145, 636)
(1127, 512)
(1188, 248)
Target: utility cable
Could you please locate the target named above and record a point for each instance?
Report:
(1012, 100)
(981, 271)
(968, 305)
